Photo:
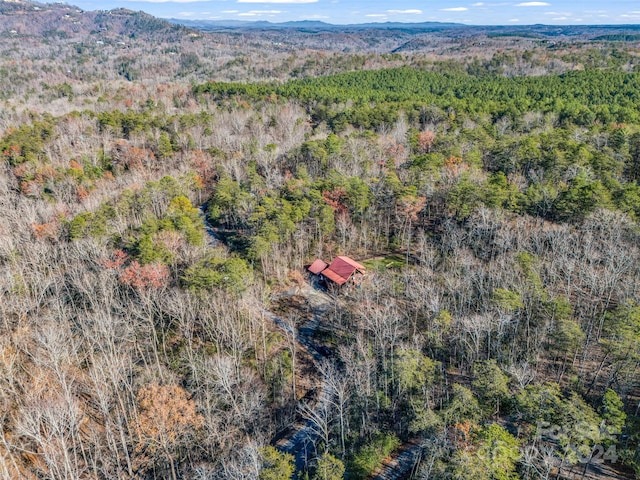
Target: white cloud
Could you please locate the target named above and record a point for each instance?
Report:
(454, 9)
(168, 1)
(413, 11)
(478, 4)
(533, 4)
(278, 1)
(376, 15)
(230, 11)
(259, 13)
(514, 20)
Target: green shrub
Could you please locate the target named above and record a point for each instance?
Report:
(231, 274)
(371, 456)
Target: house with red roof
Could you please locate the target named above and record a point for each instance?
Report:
(339, 271)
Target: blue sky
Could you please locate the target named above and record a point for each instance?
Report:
(552, 12)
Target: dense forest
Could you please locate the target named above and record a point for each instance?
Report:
(162, 191)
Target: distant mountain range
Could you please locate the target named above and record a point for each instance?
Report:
(22, 18)
(607, 32)
(312, 25)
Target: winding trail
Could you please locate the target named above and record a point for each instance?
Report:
(301, 443)
(402, 463)
(212, 236)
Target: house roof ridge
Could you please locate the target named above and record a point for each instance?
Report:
(340, 270)
(351, 262)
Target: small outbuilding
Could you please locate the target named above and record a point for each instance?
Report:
(341, 270)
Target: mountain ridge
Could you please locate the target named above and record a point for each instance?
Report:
(315, 24)
(33, 19)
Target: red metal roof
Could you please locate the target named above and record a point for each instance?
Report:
(317, 266)
(334, 277)
(352, 262)
(339, 271)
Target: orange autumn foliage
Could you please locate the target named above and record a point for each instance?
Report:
(167, 414)
(142, 277)
(118, 259)
(45, 231)
(425, 141)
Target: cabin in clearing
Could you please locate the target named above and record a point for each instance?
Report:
(340, 271)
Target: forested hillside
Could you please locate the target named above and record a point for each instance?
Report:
(163, 190)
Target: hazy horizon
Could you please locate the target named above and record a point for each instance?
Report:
(342, 12)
